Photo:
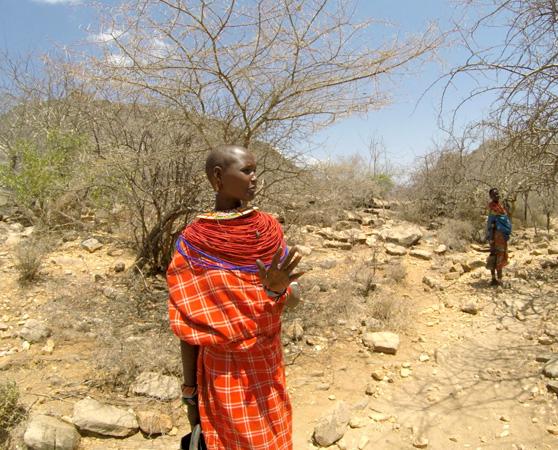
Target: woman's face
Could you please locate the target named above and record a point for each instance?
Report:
(238, 179)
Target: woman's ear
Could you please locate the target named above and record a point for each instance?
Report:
(217, 181)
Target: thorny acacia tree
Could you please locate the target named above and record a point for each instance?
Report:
(261, 73)
(522, 71)
(251, 69)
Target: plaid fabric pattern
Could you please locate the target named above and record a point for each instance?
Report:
(243, 399)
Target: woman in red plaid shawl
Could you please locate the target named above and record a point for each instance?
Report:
(228, 283)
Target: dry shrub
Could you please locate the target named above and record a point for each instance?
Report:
(11, 412)
(457, 234)
(364, 278)
(392, 312)
(30, 255)
(396, 271)
(120, 360)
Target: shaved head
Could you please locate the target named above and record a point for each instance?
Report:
(222, 156)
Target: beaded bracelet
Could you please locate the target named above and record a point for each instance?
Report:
(273, 294)
(189, 395)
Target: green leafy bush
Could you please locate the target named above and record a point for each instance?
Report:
(38, 172)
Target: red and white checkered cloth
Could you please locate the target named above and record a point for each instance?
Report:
(243, 399)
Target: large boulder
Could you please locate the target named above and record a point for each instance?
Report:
(96, 417)
(332, 427)
(406, 235)
(152, 384)
(49, 433)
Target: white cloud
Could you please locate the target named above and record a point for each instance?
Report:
(103, 38)
(59, 2)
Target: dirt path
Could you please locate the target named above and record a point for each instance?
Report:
(478, 384)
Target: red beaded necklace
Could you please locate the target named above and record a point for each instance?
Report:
(232, 244)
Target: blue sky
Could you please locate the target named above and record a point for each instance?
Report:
(406, 128)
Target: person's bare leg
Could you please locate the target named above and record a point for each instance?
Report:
(494, 280)
(189, 356)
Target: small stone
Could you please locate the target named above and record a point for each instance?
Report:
(322, 387)
(552, 430)
(423, 357)
(332, 427)
(370, 389)
(405, 372)
(304, 250)
(505, 433)
(358, 422)
(332, 397)
(25, 345)
(453, 438)
(49, 347)
(338, 245)
(420, 443)
(312, 341)
(115, 252)
(421, 254)
(378, 375)
(378, 416)
(504, 418)
(545, 357)
(552, 386)
(34, 331)
(153, 423)
(383, 342)
(545, 340)
(551, 369)
(431, 282)
(363, 442)
(91, 245)
(441, 249)
(452, 276)
(470, 307)
(119, 267)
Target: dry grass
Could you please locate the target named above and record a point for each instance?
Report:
(11, 412)
(396, 271)
(393, 312)
(30, 256)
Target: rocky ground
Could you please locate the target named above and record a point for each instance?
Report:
(399, 342)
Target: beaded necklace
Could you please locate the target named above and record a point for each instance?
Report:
(232, 241)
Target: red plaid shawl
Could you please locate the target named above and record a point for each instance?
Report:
(243, 398)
